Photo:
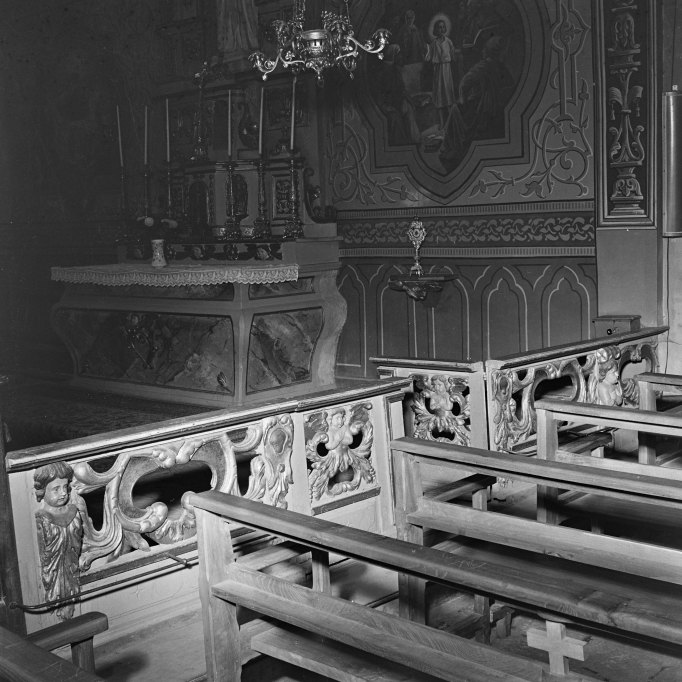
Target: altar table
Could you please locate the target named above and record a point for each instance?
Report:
(210, 332)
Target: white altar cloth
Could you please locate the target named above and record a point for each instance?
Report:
(175, 275)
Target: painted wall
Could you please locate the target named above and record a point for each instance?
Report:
(515, 220)
(506, 194)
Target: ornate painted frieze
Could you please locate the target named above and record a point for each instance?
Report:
(596, 377)
(556, 230)
(628, 102)
(440, 405)
(339, 451)
(71, 543)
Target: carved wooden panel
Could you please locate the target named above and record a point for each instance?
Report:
(628, 97)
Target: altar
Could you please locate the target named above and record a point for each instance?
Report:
(206, 329)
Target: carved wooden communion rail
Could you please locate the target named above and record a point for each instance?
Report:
(492, 403)
(613, 583)
(130, 540)
(360, 643)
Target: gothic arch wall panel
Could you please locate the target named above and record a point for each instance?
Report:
(539, 289)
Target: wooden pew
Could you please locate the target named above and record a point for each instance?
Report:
(649, 383)
(29, 658)
(623, 586)
(326, 634)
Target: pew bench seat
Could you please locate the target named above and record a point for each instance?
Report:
(629, 587)
(383, 645)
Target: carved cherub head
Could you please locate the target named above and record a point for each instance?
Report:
(52, 483)
(606, 362)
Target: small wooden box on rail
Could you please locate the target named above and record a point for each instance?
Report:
(317, 631)
(625, 586)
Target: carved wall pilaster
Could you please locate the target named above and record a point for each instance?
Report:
(628, 101)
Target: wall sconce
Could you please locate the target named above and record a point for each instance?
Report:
(416, 284)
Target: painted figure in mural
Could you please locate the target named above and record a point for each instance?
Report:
(441, 54)
(394, 101)
(60, 534)
(237, 22)
(410, 40)
(604, 387)
(479, 112)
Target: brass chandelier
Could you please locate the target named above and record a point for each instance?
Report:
(318, 49)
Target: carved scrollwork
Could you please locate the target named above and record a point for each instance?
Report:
(339, 449)
(125, 526)
(441, 409)
(584, 379)
(271, 472)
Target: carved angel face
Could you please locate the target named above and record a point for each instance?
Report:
(57, 492)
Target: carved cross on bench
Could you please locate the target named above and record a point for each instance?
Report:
(557, 645)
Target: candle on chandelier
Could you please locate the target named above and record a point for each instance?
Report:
(167, 133)
(120, 140)
(146, 134)
(293, 113)
(260, 124)
(229, 124)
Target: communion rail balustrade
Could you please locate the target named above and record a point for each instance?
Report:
(492, 403)
(122, 539)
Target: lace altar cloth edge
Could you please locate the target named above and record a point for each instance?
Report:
(126, 274)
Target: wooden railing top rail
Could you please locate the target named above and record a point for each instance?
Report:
(577, 348)
(617, 484)
(646, 421)
(659, 378)
(430, 365)
(216, 420)
(481, 576)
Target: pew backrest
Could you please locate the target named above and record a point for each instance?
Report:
(226, 583)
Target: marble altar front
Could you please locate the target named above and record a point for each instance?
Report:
(211, 332)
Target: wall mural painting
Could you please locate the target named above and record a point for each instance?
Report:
(451, 77)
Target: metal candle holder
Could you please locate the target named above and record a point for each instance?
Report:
(169, 189)
(147, 189)
(261, 223)
(231, 229)
(293, 227)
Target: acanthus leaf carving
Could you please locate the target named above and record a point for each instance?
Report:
(345, 464)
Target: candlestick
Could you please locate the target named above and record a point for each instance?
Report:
(229, 124)
(293, 227)
(167, 133)
(293, 113)
(260, 124)
(120, 140)
(146, 126)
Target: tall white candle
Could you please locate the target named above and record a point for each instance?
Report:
(146, 134)
(293, 113)
(260, 124)
(167, 132)
(229, 124)
(120, 140)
